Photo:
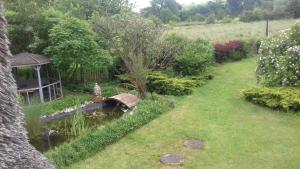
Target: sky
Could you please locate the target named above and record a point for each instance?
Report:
(145, 3)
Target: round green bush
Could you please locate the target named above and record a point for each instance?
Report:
(210, 19)
(194, 58)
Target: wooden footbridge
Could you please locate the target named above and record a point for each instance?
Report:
(126, 99)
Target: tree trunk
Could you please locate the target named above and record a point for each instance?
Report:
(81, 75)
(15, 150)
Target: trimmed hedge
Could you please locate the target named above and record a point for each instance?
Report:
(162, 84)
(287, 99)
(165, 84)
(93, 142)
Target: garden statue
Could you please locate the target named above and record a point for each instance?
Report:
(97, 94)
(15, 150)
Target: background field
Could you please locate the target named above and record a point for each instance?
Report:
(230, 31)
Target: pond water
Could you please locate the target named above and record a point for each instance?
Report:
(56, 133)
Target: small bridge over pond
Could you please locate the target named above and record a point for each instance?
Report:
(126, 99)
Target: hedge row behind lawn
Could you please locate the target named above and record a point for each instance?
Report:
(93, 142)
(287, 99)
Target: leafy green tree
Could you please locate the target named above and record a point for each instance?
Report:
(23, 16)
(77, 8)
(20, 15)
(235, 6)
(255, 15)
(84, 9)
(166, 10)
(166, 15)
(293, 8)
(113, 7)
(42, 25)
(73, 46)
(251, 4)
(217, 8)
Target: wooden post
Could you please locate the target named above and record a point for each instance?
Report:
(54, 89)
(267, 28)
(27, 97)
(61, 90)
(50, 95)
(47, 71)
(38, 68)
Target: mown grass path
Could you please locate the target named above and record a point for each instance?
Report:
(238, 134)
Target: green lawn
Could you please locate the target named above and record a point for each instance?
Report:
(238, 134)
(231, 31)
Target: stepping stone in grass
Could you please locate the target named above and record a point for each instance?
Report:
(172, 159)
(194, 144)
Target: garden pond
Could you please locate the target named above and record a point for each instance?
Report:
(45, 136)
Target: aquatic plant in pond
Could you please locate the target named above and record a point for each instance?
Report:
(76, 126)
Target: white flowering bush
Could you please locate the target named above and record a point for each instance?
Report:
(279, 59)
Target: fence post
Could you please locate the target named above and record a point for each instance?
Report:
(267, 27)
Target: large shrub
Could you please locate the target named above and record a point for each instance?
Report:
(210, 19)
(287, 99)
(232, 50)
(194, 58)
(168, 50)
(92, 142)
(135, 40)
(198, 17)
(279, 59)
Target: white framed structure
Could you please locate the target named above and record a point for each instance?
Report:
(46, 88)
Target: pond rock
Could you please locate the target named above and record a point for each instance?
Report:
(194, 144)
(172, 159)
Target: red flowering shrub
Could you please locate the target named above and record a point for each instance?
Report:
(234, 45)
(221, 52)
(232, 50)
